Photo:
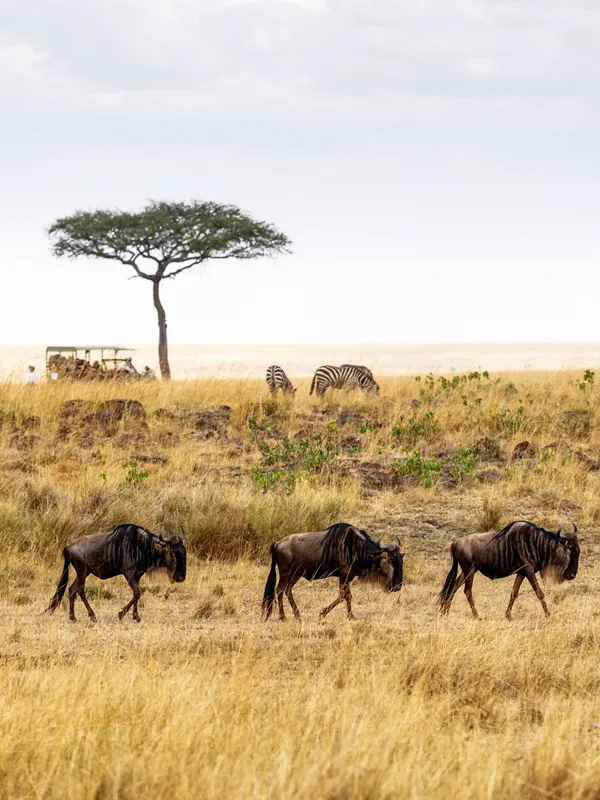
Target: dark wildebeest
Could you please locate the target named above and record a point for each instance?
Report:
(520, 549)
(127, 550)
(342, 551)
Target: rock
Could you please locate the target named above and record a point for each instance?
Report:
(75, 408)
(30, 423)
(144, 459)
(168, 439)
(522, 450)
(23, 441)
(350, 416)
(374, 475)
(210, 423)
(83, 415)
(117, 410)
(487, 449)
(490, 476)
(593, 464)
(164, 413)
(447, 482)
(226, 474)
(350, 444)
(553, 445)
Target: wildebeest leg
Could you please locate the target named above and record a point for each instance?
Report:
(135, 588)
(281, 585)
(469, 592)
(73, 592)
(288, 593)
(341, 596)
(82, 594)
(349, 601)
(459, 582)
(529, 572)
(520, 577)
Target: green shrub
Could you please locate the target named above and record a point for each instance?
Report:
(428, 470)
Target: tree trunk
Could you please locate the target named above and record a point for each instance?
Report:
(163, 349)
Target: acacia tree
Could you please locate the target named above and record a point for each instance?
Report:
(163, 240)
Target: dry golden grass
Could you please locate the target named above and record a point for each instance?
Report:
(202, 699)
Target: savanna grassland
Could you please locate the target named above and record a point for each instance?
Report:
(202, 699)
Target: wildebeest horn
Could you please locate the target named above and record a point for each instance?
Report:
(559, 531)
(397, 538)
(574, 528)
(182, 534)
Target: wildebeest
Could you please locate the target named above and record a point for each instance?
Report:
(521, 549)
(342, 551)
(127, 550)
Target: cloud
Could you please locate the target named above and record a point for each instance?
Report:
(298, 55)
(480, 67)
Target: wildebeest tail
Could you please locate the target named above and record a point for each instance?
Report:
(62, 585)
(269, 595)
(446, 593)
(312, 385)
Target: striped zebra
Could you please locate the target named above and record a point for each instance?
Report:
(277, 379)
(348, 376)
(366, 370)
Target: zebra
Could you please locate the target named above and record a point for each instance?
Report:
(366, 370)
(348, 376)
(277, 379)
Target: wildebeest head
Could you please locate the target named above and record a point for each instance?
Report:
(570, 542)
(395, 560)
(173, 556)
(388, 567)
(566, 558)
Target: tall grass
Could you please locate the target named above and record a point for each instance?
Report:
(202, 699)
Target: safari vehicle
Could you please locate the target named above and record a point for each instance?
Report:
(89, 362)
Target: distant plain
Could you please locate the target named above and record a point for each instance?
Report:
(251, 360)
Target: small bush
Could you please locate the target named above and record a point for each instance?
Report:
(418, 427)
(134, 475)
(428, 470)
(465, 463)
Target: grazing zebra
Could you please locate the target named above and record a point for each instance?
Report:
(366, 370)
(277, 379)
(347, 376)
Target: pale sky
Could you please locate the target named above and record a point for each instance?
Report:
(435, 163)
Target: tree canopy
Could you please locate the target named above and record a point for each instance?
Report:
(163, 240)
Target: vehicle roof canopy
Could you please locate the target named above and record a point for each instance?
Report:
(73, 348)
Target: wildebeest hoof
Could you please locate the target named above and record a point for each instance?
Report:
(72, 619)
(121, 614)
(137, 619)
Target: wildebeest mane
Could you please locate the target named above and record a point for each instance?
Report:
(139, 540)
(344, 543)
(501, 534)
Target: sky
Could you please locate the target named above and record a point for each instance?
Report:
(435, 163)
